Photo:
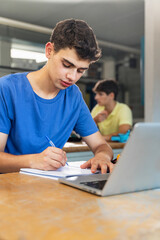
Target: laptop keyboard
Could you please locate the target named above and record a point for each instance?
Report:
(95, 184)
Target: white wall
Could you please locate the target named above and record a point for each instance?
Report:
(152, 60)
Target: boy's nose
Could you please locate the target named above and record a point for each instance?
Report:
(96, 97)
(72, 75)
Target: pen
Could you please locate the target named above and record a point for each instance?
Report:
(50, 141)
(116, 159)
(52, 144)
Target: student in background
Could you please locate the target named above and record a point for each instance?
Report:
(110, 116)
(47, 102)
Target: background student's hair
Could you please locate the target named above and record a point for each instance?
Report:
(107, 86)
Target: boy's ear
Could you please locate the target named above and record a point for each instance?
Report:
(112, 95)
(49, 49)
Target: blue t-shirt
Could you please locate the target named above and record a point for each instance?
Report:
(28, 118)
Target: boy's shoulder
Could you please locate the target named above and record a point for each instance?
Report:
(122, 107)
(8, 79)
(97, 107)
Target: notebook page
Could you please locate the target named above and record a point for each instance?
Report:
(73, 169)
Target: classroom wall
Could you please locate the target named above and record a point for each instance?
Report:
(152, 60)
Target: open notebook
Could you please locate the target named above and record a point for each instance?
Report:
(72, 169)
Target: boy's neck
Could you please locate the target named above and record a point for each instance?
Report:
(41, 84)
(109, 107)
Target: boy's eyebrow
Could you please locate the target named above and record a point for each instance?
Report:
(73, 64)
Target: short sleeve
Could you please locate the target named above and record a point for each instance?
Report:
(85, 124)
(125, 116)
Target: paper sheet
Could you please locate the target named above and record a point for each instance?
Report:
(72, 169)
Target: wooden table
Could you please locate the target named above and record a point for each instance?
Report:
(82, 146)
(34, 208)
(79, 151)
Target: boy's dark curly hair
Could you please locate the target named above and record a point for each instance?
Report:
(74, 33)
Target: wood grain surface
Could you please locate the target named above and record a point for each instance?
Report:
(43, 209)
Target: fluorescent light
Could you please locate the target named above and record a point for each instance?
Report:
(57, 1)
(23, 54)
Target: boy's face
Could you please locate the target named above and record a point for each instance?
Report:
(103, 99)
(64, 67)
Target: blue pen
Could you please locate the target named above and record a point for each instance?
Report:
(52, 144)
(50, 141)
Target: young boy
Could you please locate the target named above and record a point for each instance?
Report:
(110, 116)
(48, 103)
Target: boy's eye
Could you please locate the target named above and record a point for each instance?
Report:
(80, 71)
(66, 65)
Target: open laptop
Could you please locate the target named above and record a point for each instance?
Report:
(137, 169)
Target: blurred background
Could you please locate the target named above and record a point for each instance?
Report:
(25, 27)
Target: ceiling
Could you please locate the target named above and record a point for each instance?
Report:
(117, 21)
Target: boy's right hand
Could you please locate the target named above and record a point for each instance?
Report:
(101, 116)
(51, 158)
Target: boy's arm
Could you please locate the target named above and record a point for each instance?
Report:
(122, 129)
(50, 159)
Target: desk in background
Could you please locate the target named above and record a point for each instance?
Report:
(81, 152)
(34, 208)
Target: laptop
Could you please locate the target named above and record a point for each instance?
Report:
(137, 169)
